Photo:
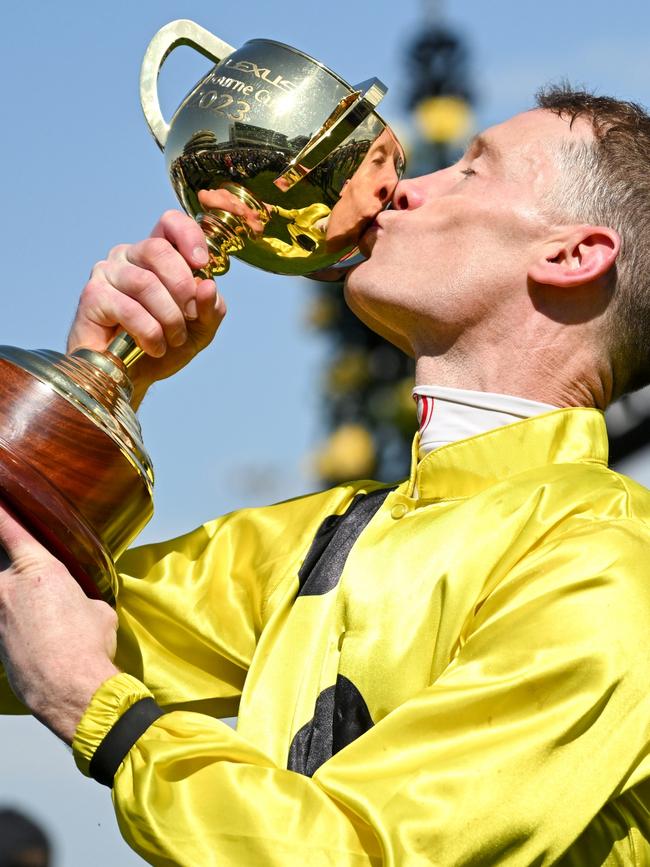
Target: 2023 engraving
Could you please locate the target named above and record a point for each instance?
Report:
(224, 104)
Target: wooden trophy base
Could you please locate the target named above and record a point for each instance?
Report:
(55, 522)
(72, 468)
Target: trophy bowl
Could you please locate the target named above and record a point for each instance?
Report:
(301, 160)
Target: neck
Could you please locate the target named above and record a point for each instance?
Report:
(543, 374)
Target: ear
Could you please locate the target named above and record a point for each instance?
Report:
(582, 254)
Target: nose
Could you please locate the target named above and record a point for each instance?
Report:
(385, 184)
(409, 194)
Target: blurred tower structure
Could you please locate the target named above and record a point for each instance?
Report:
(367, 386)
(440, 95)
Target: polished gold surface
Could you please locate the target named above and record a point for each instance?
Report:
(124, 350)
(274, 130)
(281, 142)
(225, 232)
(341, 123)
(181, 32)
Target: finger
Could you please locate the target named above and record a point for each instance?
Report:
(162, 259)
(207, 298)
(104, 310)
(185, 235)
(90, 328)
(107, 310)
(211, 311)
(94, 325)
(17, 543)
(143, 287)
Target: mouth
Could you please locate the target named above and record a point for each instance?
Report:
(368, 238)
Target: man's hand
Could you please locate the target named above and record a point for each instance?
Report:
(227, 201)
(56, 644)
(148, 289)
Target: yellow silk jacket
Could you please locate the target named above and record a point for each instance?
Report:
(452, 672)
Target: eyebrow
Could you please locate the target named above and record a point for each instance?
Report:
(484, 145)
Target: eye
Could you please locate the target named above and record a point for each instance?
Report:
(467, 172)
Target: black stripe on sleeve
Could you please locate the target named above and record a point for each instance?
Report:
(110, 754)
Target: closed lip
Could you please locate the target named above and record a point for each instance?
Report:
(368, 238)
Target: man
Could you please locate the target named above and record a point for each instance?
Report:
(452, 671)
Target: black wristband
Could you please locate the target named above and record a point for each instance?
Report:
(119, 740)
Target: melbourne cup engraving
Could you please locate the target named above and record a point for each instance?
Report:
(295, 164)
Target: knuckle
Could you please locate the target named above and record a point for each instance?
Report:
(182, 286)
(139, 281)
(109, 614)
(156, 248)
(151, 332)
(92, 290)
(106, 616)
(98, 267)
(179, 223)
(55, 570)
(117, 250)
(170, 215)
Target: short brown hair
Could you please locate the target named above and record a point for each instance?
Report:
(607, 182)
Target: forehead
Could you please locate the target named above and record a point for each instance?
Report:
(538, 130)
(525, 146)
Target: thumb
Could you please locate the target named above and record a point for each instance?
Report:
(15, 539)
(91, 335)
(211, 309)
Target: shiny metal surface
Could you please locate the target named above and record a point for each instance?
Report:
(181, 32)
(273, 128)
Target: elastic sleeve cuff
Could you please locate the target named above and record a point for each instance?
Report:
(108, 705)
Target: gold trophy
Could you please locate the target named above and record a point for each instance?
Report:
(291, 140)
(301, 164)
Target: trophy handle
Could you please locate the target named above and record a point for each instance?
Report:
(180, 32)
(348, 114)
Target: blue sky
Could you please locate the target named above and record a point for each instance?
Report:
(82, 174)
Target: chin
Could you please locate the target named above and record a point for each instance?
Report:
(371, 308)
(355, 286)
(359, 276)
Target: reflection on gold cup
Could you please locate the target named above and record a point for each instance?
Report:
(281, 161)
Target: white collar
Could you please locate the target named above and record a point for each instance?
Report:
(446, 415)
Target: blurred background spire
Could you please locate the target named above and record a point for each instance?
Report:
(440, 94)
